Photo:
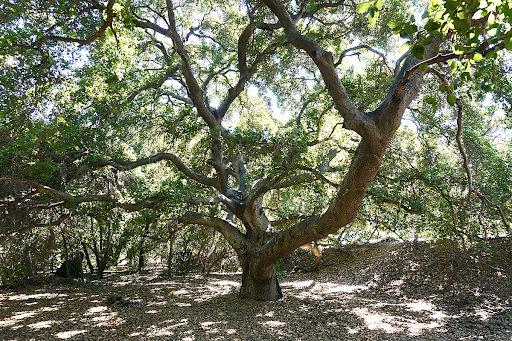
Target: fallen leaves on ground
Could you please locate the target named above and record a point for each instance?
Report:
(385, 291)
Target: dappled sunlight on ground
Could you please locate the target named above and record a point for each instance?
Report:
(69, 334)
(329, 305)
(197, 308)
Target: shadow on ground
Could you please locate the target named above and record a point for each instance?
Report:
(363, 301)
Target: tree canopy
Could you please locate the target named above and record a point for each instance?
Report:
(267, 121)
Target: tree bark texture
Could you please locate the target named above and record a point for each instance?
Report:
(259, 282)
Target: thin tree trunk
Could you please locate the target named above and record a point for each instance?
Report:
(88, 258)
(172, 237)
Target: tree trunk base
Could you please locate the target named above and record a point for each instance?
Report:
(260, 289)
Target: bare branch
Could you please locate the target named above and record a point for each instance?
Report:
(176, 96)
(55, 193)
(302, 14)
(212, 201)
(212, 75)
(359, 47)
(147, 24)
(469, 175)
(229, 231)
(465, 158)
(484, 48)
(30, 224)
(287, 220)
(245, 72)
(195, 91)
(127, 165)
(353, 118)
(318, 175)
(137, 206)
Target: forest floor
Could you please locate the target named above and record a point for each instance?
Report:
(386, 291)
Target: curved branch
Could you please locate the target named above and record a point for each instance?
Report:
(302, 14)
(317, 175)
(195, 91)
(99, 32)
(31, 224)
(287, 220)
(127, 165)
(154, 85)
(229, 231)
(353, 118)
(56, 193)
(359, 47)
(245, 72)
(147, 24)
(265, 185)
(230, 205)
(131, 207)
(483, 49)
(176, 96)
(467, 169)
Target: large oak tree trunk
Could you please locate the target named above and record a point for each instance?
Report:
(259, 284)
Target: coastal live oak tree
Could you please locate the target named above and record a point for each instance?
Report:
(82, 71)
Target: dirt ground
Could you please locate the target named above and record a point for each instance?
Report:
(386, 291)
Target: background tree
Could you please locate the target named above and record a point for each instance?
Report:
(174, 75)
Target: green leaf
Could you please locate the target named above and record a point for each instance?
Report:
(477, 57)
(423, 66)
(363, 7)
(432, 26)
(430, 100)
(451, 99)
(508, 40)
(372, 16)
(378, 4)
(465, 76)
(405, 47)
(394, 25)
(442, 87)
(426, 41)
(451, 5)
(458, 50)
(418, 51)
(438, 15)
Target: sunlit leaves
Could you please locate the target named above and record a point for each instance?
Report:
(430, 100)
(371, 8)
(405, 47)
(508, 40)
(477, 57)
(363, 7)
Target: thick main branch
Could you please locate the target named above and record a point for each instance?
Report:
(353, 118)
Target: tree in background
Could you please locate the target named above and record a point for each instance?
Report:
(176, 102)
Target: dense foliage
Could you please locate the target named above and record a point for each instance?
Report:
(129, 128)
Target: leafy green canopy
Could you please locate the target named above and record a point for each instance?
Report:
(86, 85)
